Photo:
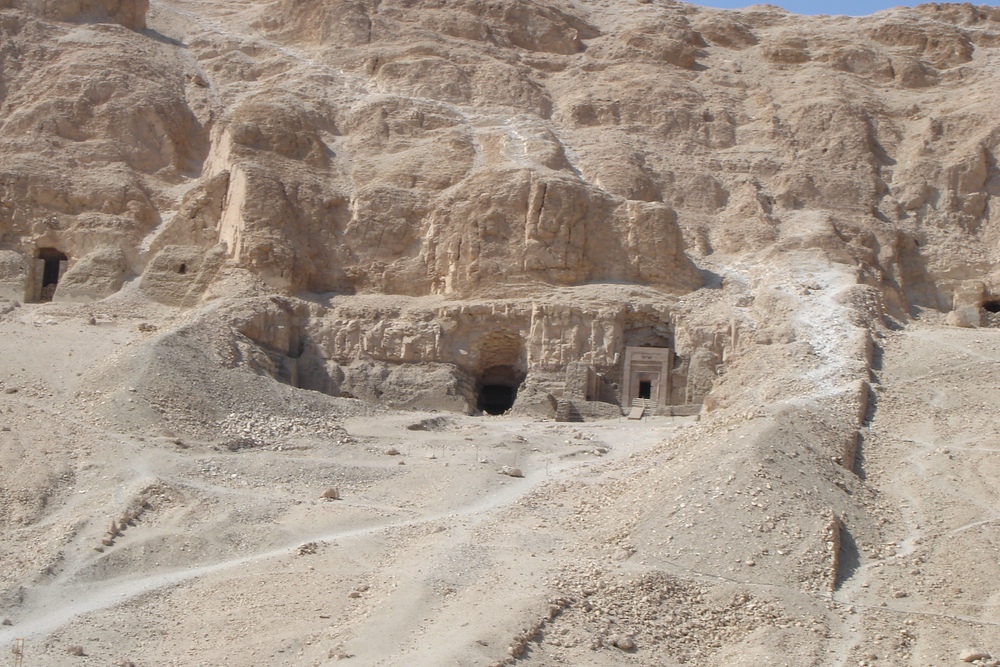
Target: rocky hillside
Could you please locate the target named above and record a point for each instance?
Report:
(234, 235)
(462, 148)
(475, 150)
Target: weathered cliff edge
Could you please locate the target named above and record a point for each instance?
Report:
(469, 152)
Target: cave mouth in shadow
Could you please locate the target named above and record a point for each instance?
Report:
(496, 399)
(646, 389)
(51, 259)
(992, 306)
(496, 389)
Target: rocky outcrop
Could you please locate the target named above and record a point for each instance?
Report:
(534, 27)
(478, 151)
(14, 272)
(97, 275)
(492, 156)
(129, 13)
(375, 347)
(180, 275)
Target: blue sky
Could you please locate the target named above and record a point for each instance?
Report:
(849, 7)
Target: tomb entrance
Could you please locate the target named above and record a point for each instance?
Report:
(646, 389)
(647, 375)
(501, 368)
(497, 389)
(50, 266)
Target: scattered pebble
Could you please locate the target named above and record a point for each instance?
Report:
(971, 655)
(623, 642)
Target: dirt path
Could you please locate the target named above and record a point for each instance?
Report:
(932, 454)
(548, 453)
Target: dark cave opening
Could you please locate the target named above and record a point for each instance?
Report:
(496, 399)
(992, 306)
(50, 272)
(645, 389)
(497, 389)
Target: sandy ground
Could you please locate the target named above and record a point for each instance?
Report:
(240, 545)
(431, 556)
(933, 453)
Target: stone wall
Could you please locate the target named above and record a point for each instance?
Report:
(541, 336)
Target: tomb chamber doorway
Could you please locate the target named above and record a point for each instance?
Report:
(646, 375)
(49, 268)
(500, 372)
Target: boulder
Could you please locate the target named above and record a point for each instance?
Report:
(97, 275)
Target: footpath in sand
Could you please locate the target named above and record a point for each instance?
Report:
(237, 559)
(434, 557)
(932, 451)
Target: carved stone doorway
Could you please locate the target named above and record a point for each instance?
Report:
(647, 375)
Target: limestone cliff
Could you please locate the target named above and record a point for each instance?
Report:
(129, 13)
(472, 150)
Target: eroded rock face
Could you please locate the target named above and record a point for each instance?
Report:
(430, 353)
(96, 121)
(482, 205)
(443, 148)
(488, 152)
(13, 276)
(534, 27)
(97, 275)
(129, 13)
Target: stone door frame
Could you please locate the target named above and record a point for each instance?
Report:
(647, 364)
